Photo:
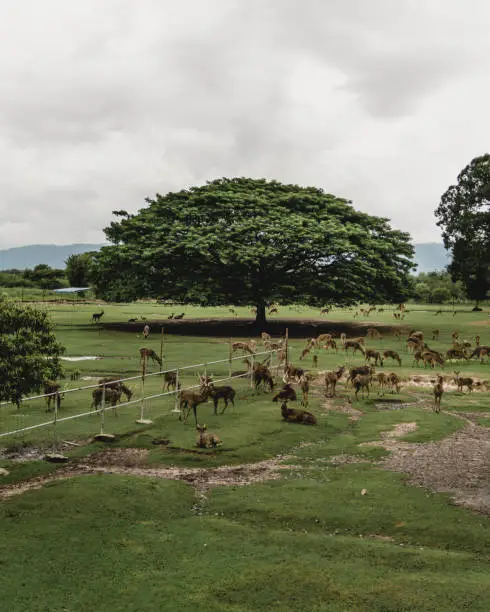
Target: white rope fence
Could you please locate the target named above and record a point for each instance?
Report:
(141, 400)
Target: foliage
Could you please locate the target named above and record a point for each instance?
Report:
(242, 241)
(464, 215)
(78, 269)
(436, 288)
(29, 351)
(45, 277)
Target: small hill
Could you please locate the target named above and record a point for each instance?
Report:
(53, 255)
(430, 256)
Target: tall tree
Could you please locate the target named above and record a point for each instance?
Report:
(464, 216)
(242, 241)
(29, 351)
(78, 268)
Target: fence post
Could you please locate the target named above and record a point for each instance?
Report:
(142, 420)
(102, 412)
(161, 352)
(230, 354)
(177, 394)
(252, 372)
(287, 346)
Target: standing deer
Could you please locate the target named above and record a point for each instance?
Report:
(97, 316)
(331, 380)
(463, 382)
(438, 391)
(146, 331)
(392, 355)
(146, 353)
(52, 391)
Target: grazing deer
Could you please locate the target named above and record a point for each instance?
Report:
(147, 353)
(52, 391)
(286, 393)
(355, 346)
(262, 375)
(382, 381)
(114, 383)
(372, 354)
(206, 440)
(438, 390)
(362, 370)
(392, 355)
(247, 347)
(292, 373)
(324, 311)
(480, 352)
(456, 353)
(146, 331)
(463, 382)
(304, 353)
(293, 415)
(170, 380)
(226, 393)
(97, 316)
(361, 382)
(110, 396)
(331, 380)
(330, 344)
(394, 381)
(171, 316)
(180, 316)
(323, 338)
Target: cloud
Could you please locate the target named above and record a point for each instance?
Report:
(105, 103)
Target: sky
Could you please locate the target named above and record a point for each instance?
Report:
(106, 102)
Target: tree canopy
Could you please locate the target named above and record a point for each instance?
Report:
(464, 216)
(78, 268)
(29, 351)
(242, 241)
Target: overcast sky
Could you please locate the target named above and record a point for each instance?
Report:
(105, 102)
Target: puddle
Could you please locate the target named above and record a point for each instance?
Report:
(83, 358)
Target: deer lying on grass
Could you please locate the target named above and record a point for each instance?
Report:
(438, 390)
(331, 380)
(52, 390)
(247, 347)
(97, 316)
(372, 354)
(392, 355)
(206, 440)
(287, 393)
(293, 415)
(463, 382)
(147, 353)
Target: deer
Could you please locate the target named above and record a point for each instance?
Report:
(456, 353)
(365, 370)
(324, 311)
(247, 347)
(305, 388)
(225, 392)
(293, 415)
(52, 391)
(114, 383)
(330, 344)
(480, 352)
(372, 354)
(291, 373)
(315, 361)
(170, 380)
(304, 353)
(382, 380)
(265, 337)
(438, 390)
(477, 340)
(190, 400)
(97, 316)
(331, 380)
(179, 317)
(355, 346)
(171, 316)
(361, 382)
(323, 338)
(372, 332)
(286, 393)
(463, 382)
(146, 331)
(435, 334)
(392, 355)
(110, 396)
(394, 382)
(147, 353)
(206, 440)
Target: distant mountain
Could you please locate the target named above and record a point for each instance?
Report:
(53, 255)
(430, 256)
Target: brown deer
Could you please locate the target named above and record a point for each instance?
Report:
(324, 311)
(293, 415)
(206, 440)
(372, 332)
(331, 380)
(115, 383)
(477, 340)
(224, 392)
(438, 390)
(463, 382)
(147, 353)
(304, 353)
(392, 355)
(360, 383)
(364, 370)
(305, 388)
(190, 400)
(146, 331)
(355, 346)
(292, 373)
(330, 344)
(170, 380)
(247, 347)
(480, 352)
(372, 354)
(52, 391)
(394, 381)
(97, 316)
(456, 353)
(382, 381)
(179, 317)
(110, 396)
(265, 337)
(287, 393)
(435, 334)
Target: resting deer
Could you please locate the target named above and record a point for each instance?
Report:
(293, 415)
(438, 390)
(147, 353)
(463, 382)
(331, 380)
(286, 393)
(97, 316)
(180, 316)
(206, 440)
(392, 355)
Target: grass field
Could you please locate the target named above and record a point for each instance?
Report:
(116, 534)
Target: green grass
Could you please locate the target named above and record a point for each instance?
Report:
(308, 541)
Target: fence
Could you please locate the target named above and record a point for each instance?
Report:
(27, 425)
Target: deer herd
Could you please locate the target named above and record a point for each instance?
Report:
(295, 379)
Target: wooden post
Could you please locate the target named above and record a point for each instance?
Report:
(161, 351)
(230, 355)
(287, 346)
(142, 420)
(177, 394)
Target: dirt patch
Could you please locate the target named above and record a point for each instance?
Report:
(125, 462)
(344, 408)
(427, 381)
(347, 460)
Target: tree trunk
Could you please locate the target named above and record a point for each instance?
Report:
(260, 320)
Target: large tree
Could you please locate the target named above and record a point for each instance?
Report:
(78, 268)
(464, 216)
(29, 351)
(242, 241)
